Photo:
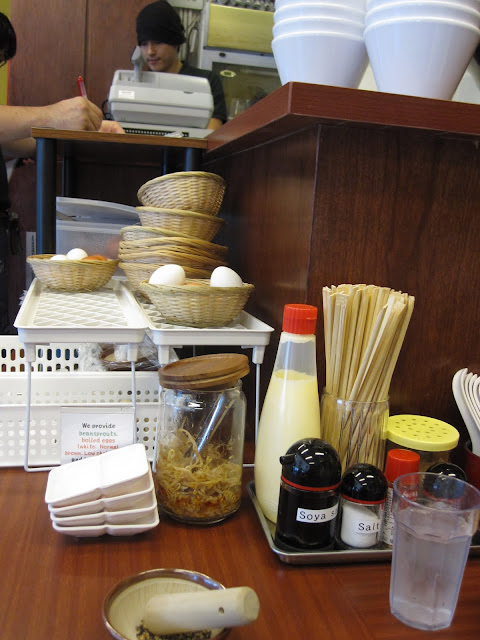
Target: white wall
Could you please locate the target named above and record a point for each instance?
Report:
(468, 90)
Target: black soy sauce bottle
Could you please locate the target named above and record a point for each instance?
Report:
(308, 502)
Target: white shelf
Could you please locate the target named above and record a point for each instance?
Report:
(245, 331)
(109, 314)
(114, 315)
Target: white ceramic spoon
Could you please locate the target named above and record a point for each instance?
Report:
(476, 393)
(459, 395)
(470, 390)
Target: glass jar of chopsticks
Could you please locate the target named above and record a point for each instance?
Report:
(357, 430)
(200, 437)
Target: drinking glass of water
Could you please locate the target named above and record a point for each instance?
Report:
(435, 518)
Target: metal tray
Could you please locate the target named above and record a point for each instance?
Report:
(321, 557)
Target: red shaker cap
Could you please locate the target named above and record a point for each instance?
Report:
(400, 461)
(299, 318)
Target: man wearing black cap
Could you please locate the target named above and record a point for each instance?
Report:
(160, 33)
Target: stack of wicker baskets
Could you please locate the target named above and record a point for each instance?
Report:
(178, 220)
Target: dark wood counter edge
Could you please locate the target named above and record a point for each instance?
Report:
(297, 106)
(63, 135)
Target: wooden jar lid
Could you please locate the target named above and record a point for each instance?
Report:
(214, 371)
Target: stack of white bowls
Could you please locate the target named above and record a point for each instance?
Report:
(421, 48)
(320, 42)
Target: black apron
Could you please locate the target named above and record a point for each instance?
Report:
(9, 237)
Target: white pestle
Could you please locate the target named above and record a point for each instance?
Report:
(198, 610)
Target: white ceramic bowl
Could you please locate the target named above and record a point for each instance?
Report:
(320, 58)
(321, 25)
(354, 4)
(423, 57)
(470, 4)
(325, 10)
(413, 9)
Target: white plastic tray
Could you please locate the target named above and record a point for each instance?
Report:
(245, 331)
(109, 314)
(96, 210)
(50, 390)
(106, 475)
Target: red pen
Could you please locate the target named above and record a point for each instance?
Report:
(81, 87)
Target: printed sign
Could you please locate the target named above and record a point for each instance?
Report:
(88, 431)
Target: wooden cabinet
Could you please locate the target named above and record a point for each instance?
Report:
(58, 41)
(329, 186)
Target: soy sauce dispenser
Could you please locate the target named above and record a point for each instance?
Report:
(308, 502)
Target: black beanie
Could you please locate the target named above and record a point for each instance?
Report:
(159, 22)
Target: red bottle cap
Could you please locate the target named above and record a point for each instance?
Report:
(299, 318)
(400, 461)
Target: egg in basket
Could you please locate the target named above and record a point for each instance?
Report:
(193, 302)
(76, 271)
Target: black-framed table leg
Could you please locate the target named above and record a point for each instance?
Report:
(193, 159)
(68, 172)
(46, 195)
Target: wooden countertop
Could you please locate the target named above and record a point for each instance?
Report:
(297, 106)
(113, 147)
(53, 586)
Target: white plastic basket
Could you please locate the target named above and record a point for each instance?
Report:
(56, 383)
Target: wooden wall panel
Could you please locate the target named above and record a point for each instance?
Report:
(267, 208)
(392, 207)
(111, 38)
(50, 50)
(399, 208)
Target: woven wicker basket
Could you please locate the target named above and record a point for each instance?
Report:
(173, 257)
(191, 223)
(72, 275)
(197, 304)
(137, 272)
(137, 232)
(186, 245)
(187, 190)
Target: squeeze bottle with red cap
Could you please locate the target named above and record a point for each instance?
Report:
(291, 409)
(399, 462)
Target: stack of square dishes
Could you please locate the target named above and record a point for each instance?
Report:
(108, 493)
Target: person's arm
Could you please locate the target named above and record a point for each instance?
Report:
(76, 113)
(214, 123)
(19, 148)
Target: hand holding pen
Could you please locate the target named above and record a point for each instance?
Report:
(107, 126)
(81, 87)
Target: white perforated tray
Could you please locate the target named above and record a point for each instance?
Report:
(51, 391)
(245, 331)
(56, 382)
(109, 314)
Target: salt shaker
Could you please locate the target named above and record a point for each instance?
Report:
(363, 492)
(308, 502)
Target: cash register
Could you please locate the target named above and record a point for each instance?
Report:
(165, 104)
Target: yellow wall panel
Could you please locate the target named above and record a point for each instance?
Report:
(4, 8)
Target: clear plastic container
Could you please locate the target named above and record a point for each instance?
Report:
(432, 439)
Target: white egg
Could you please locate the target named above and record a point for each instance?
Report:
(225, 277)
(58, 256)
(168, 274)
(76, 254)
